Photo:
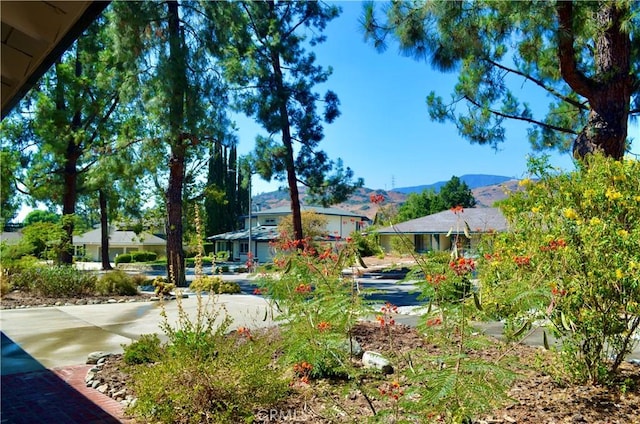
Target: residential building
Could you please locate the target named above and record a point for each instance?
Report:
(261, 228)
(437, 232)
(89, 244)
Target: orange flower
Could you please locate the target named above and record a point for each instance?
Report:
(323, 326)
(303, 288)
(522, 260)
(457, 209)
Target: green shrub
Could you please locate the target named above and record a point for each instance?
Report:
(222, 256)
(140, 280)
(162, 286)
(143, 256)
(55, 281)
(116, 283)
(5, 285)
(366, 245)
(224, 387)
(214, 285)
(124, 258)
(145, 350)
(572, 259)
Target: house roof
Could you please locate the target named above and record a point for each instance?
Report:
(259, 233)
(10, 237)
(120, 238)
(479, 220)
(34, 35)
(286, 210)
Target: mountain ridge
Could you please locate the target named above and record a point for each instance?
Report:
(359, 202)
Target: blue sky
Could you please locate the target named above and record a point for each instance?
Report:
(384, 133)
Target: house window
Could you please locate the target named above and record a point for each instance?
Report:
(270, 221)
(244, 248)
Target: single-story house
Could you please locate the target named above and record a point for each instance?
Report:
(438, 231)
(88, 245)
(261, 228)
(10, 237)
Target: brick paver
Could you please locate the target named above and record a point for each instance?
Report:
(56, 396)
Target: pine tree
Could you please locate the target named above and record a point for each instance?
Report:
(582, 55)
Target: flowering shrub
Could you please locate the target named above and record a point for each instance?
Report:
(572, 257)
(318, 305)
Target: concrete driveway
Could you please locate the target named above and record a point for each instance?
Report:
(65, 335)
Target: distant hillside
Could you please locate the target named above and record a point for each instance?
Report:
(472, 180)
(360, 202)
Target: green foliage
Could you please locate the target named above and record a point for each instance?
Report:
(496, 46)
(454, 385)
(9, 197)
(55, 281)
(205, 375)
(573, 258)
(162, 286)
(366, 245)
(222, 256)
(143, 256)
(228, 386)
(124, 258)
(117, 283)
(214, 285)
(44, 237)
(38, 215)
(319, 306)
(420, 204)
(454, 193)
(146, 350)
(266, 50)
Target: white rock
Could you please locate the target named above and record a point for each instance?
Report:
(94, 357)
(103, 388)
(375, 360)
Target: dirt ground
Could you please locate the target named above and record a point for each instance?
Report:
(536, 397)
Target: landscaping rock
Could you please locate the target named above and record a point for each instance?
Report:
(94, 357)
(375, 360)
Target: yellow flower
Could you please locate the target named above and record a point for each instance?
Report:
(613, 194)
(619, 177)
(589, 193)
(595, 221)
(637, 198)
(619, 274)
(570, 213)
(623, 233)
(535, 209)
(524, 183)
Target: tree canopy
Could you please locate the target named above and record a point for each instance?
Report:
(263, 51)
(454, 193)
(583, 56)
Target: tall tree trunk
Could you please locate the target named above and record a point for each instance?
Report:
(70, 174)
(104, 231)
(288, 144)
(175, 252)
(609, 91)
(65, 254)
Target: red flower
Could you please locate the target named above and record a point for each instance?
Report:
(244, 331)
(457, 209)
(462, 266)
(376, 198)
(434, 321)
(303, 288)
(323, 326)
(436, 279)
(522, 260)
(257, 291)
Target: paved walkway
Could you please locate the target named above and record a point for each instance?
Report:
(42, 381)
(32, 394)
